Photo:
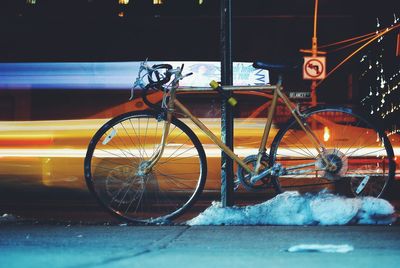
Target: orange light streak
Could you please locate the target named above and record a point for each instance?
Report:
(25, 140)
(387, 30)
(327, 134)
(349, 40)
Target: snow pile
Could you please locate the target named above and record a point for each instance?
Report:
(8, 218)
(292, 208)
(321, 248)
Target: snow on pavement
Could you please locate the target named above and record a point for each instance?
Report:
(328, 248)
(8, 218)
(292, 208)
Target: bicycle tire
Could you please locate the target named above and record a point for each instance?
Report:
(365, 160)
(126, 141)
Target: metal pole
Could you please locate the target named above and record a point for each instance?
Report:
(314, 51)
(227, 183)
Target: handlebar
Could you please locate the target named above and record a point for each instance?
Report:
(151, 77)
(160, 78)
(157, 77)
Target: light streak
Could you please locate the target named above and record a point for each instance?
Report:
(327, 134)
(211, 151)
(111, 75)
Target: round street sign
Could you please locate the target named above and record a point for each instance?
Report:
(314, 68)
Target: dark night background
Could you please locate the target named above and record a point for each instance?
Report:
(91, 30)
(275, 30)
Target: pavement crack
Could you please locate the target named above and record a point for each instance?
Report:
(158, 245)
(170, 239)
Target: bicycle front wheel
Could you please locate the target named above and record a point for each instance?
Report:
(122, 146)
(361, 153)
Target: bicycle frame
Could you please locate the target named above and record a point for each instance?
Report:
(277, 92)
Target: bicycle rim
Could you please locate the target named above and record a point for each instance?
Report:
(362, 154)
(128, 141)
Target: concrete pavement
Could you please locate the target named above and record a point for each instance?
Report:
(63, 245)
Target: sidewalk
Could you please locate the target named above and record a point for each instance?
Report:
(27, 245)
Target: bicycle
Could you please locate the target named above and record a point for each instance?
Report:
(150, 167)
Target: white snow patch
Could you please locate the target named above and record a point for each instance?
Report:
(8, 218)
(292, 208)
(328, 248)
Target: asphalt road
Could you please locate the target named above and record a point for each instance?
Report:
(29, 245)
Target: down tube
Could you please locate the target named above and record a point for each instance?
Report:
(214, 138)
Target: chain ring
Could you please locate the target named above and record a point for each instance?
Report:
(244, 176)
(336, 157)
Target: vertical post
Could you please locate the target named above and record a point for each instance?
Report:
(227, 183)
(314, 51)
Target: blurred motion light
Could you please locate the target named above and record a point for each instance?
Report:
(327, 134)
(31, 2)
(123, 2)
(158, 2)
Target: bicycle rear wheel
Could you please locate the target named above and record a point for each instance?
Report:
(123, 144)
(362, 154)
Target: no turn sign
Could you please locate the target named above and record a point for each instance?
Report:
(314, 68)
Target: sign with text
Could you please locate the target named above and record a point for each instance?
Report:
(299, 95)
(314, 68)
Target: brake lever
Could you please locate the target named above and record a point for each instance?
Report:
(132, 94)
(138, 84)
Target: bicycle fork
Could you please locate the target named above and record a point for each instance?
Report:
(146, 166)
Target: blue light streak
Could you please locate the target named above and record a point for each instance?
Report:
(110, 75)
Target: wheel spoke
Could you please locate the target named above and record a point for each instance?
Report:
(352, 147)
(117, 173)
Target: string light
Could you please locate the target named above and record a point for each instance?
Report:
(383, 95)
(393, 131)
